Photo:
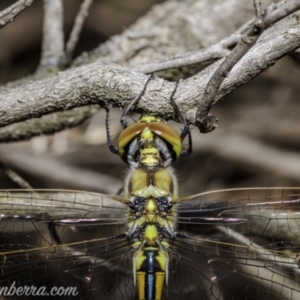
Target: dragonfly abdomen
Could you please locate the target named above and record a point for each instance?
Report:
(151, 264)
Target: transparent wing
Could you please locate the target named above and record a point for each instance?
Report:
(65, 239)
(234, 244)
(237, 244)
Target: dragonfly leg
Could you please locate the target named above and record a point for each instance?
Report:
(186, 132)
(110, 146)
(133, 102)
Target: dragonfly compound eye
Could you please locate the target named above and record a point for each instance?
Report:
(149, 132)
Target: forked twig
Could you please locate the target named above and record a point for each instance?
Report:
(9, 14)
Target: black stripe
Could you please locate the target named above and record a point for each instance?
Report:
(150, 275)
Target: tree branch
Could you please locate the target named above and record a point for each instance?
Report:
(205, 55)
(9, 14)
(209, 54)
(206, 122)
(114, 85)
(172, 28)
(53, 56)
(47, 124)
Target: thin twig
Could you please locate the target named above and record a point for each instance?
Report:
(206, 122)
(22, 183)
(53, 57)
(9, 14)
(258, 10)
(205, 55)
(274, 13)
(209, 54)
(74, 36)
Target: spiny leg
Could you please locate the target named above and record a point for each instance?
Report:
(110, 146)
(186, 132)
(133, 102)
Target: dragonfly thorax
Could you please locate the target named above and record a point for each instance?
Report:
(159, 183)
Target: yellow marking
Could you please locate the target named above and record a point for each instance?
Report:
(139, 181)
(150, 151)
(151, 206)
(151, 210)
(165, 244)
(139, 258)
(149, 161)
(141, 279)
(136, 244)
(147, 134)
(163, 181)
(151, 234)
(162, 259)
(150, 156)
(159, 284)
(149, 119)
(177, 146)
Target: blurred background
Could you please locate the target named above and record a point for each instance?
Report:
(256, 144)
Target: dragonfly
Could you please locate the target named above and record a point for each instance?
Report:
(150, 244)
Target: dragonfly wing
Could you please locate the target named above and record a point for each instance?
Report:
(59, 205)
(63, 239)
(240, 244)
